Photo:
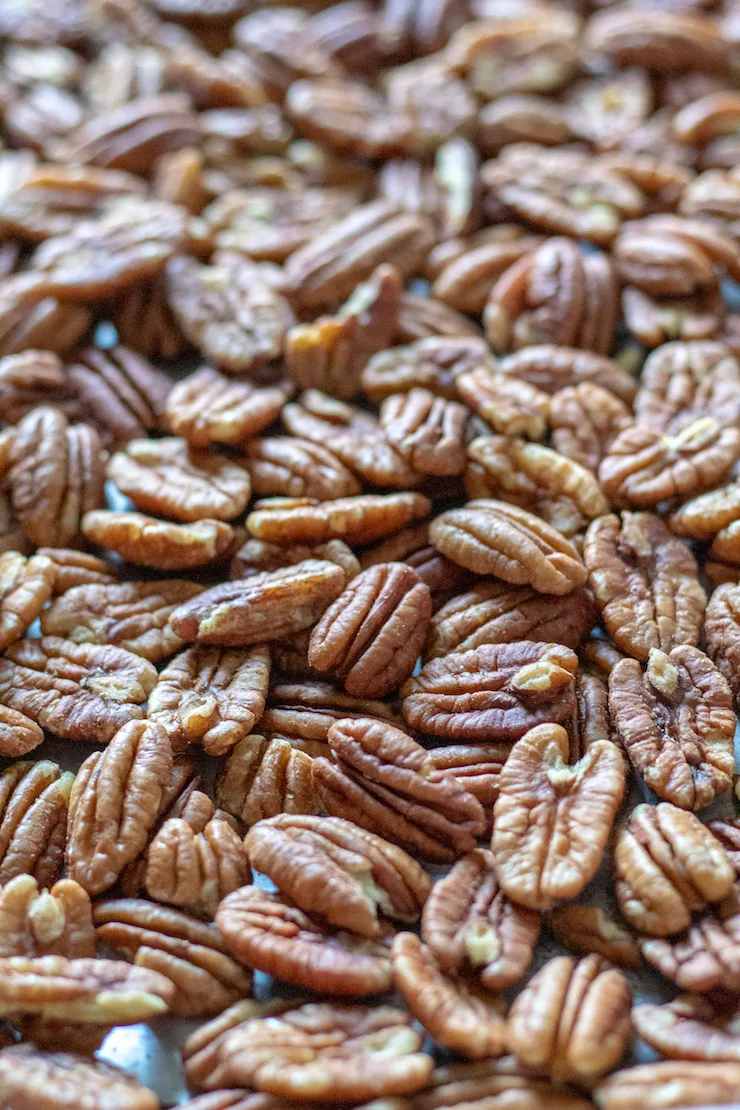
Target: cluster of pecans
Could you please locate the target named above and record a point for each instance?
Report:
(370, 507)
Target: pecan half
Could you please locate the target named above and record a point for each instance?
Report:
(572, 1020)
(428, 431)
(687, 1029)
(160, 544)
(25, 587)
(76, 568)
(372, 634)
(207, 407)
(115, 803)
(191, 954)
(56, 922)
(493, 692)
(123, 392)
(291, 467)
(77, 691)
(676, 723)
(434, 363)
(684, 382)
(257, 555)
(18, 733)
(506, 1080)
(551, 821)
(703, 517)
(667, 866)
(470, 925)
(510, 405)
(265, 776)
(552, 368)
(670, 1082)
(356, 520)
(34, 799)
(585, 420)
(588, 929)
(46, 1079)
(382, 782)
(477, 766)
(307, 710)
(195, 867)
(645, 582)
(722, 633)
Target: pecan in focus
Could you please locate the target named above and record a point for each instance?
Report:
(76, 568)
(356, 520)
(25, 587)
(585, 420)
(55, 922)
(265, 776)
(428, 431)
(287, 466)
(34, 799)
(195, 867)
(160, 544)
(511, 406)
(683, 382)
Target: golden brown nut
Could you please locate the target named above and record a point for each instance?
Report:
(18, 733)
(25, 587)
(585, 420)
(356, 520)
(56, 922)
(287, 466)
(588, 929)
(497, 1080)
(551, 821)
(684, 382)
(265, 776)
(44, 1079)
(76, 568)
(207, 407)
(195, 867)
(510, 405)
(160, 544)
(670, 1083)
(687, 1029)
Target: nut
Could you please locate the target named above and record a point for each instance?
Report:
(56, 922)
(160, 544)
(25, 587)
(265, 776)
(195, 867)
(45, 1079)
(356, 520)
(208, 407)
(588, 929)
(34, 799)
(287, 466)
(676, 1082)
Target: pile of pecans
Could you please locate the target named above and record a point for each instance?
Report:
(370, 513)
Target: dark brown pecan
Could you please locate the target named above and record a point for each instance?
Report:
(144, 321)
(123, 393)
(381, 781)
(493, 537)
(167, 477)
(232, 310)
(207, 407)
(130, 615)
(191, 954)
(25, 587)
(586, 929)
(511, 406)
(466, 279)
(591, 720)
(585, 420)
(324, 272)
(476, 766)
(493, 692)
(470, 925)
(683, 382)
(494, 612)
(357, 520)
(645, 582)
(434, 363)
(552, 368)
(194, 865)
(76, 568)
(267, 606)
(211, 696)
(338, 871)
(34, 798)
(676, 724)
(63, 1080)
(56, 476)
(77, 691)
(552, 820)
(269, 933)
(291, 467)
(372, 634)
(56, 922)
(265, 776)
(33, 378)
(427, 431)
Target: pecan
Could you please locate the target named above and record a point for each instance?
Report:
(77, 691)
(572, 1020)
(465, 280)
(470, 925)
(267, 606)
(76, 568)
(493, 537)
(211, 697)
(53, 198)
(670, 1082)
(382, 780)
(427, 431)
(676, 724)
(339, 871)
(63, 1081)
(195, 867)
(25, 587)
(458, 1015)
(726, 544)
(704, 516)
(32, 378)
(587, 929)
(307, 710)
(645, 582)
(684, 382)
(411, 546)
(494, 612)
(372, 634)
(96, 992)
(606, 110)
(231, 310)
(355, 437)
(161, 544)
(686, 1029)
(130, 615)
(668, 865)
(345, 1053)
(511, 406)
(523, 118)
(656, 320)
(34, 798)
(324, 272)
(585, 420)
(551, 821)
(475, 1084)
(165, 476)
(47, 324)
(722, 633)
(476, 766)
(292, 467)
(551, 486)
(144, 321)
(123, 393)
(665, 40)
(255, 556)
(706, 956)
(668, 255)
(190, 953)
(433, 363)
(264, 776)
(493, 692)
(274, 936)
(116, 801)
(550, 368)
(57, 475)
(18, 733)
(357, 520)
(207, 407)
(56, 922)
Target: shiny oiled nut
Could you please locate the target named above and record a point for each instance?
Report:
(588, 929)
(676, 724)
(372, 634)
(470, 925)
(211, 696)
(668, 865)
(459, 1016)
(55, 922)
(670, 1083)
(29, 1077)
(207, 407)
(34, 800)
(493, 692)
(269, 933)
(572, 1019)
(492, 537)
(265, 776)
(116, 802)
(552, 821)
(267, 606)
(288, 466)
(338, 871)
(356, 520)
(195, 868)
(160, 544)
